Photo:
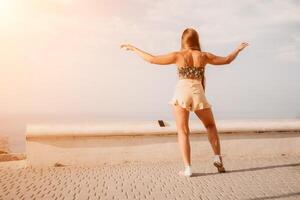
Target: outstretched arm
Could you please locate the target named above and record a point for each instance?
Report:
(219, 60)
(166, 59)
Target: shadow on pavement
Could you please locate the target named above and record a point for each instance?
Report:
(277, 196)
(247, 169)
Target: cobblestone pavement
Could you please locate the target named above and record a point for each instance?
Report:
(246, 179)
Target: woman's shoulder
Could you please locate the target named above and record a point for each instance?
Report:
(197, 53)
(202, 53)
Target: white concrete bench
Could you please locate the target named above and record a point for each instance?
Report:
(115, 142)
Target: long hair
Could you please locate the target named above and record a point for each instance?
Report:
(190, 40)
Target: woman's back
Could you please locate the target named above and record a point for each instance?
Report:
(191, 58)
(191, 65)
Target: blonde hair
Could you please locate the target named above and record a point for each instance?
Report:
(190, 39)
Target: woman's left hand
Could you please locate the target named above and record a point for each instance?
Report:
(128, 47)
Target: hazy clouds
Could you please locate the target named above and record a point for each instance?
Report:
(63, 56)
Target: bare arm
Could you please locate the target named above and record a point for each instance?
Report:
(166, 59)
(219, 60)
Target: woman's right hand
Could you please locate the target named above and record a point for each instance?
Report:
(242, 46)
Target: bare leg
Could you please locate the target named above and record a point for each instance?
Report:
(182, 119)
(207, 118)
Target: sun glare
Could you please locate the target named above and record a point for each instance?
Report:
(8, 11)
(6, 6)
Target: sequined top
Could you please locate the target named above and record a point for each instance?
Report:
(190, 72)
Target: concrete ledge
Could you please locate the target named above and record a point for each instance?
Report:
(153, 128)
(92, 143)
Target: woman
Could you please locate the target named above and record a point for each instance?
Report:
(189, 91)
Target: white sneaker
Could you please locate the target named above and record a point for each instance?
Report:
(187, 172)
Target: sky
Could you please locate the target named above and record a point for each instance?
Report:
(63, 57)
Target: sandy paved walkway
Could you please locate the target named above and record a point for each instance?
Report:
(259, 179)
